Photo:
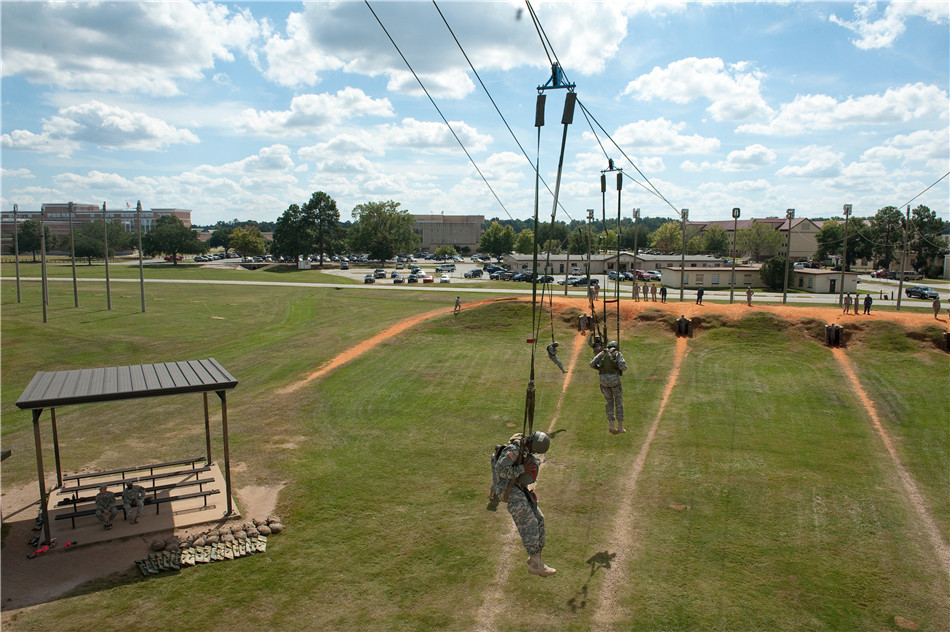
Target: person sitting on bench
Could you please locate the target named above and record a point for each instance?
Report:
(133, 498)
(105, 506)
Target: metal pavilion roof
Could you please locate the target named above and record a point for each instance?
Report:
(82, 386)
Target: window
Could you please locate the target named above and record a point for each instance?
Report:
(810, 283)
(801, 281)
(699, 279)
(685, 278)
(715, 279)
(747, 278)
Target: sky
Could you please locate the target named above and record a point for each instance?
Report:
(236, 110)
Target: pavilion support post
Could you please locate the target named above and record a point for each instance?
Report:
(41, 479)
(59, 468)
(227, 453)
(207, 432)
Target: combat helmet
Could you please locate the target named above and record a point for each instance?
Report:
(613, 345)
(540, 442)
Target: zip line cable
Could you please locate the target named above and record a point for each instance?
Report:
(444, 120)
(497, 109)
(925, 190)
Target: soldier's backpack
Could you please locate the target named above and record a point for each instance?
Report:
(493, 496)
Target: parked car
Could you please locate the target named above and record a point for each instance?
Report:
(445, 279)
(379, 273)
(569, 280)
(475, 273)
(369, 278)
(412, 278)
(428, 279)
(394, 274)
(910, 275)
(175, 258)
(344, 265)
(583, 281)
(398, 278)
(546, 278)
(921, 291)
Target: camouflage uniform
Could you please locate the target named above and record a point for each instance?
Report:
(105, 504)
(133, 499)
(522, 502)
(636, 292)
(552, 353)
(611, 365)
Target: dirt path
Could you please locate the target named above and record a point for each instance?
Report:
(605, 614)
(913, 494)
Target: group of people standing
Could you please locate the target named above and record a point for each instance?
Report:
(648, 292)
(868, 301)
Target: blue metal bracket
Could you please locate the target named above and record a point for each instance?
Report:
(557, 79)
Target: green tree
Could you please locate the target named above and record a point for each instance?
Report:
(773, 273)
(221, 238)
(90, 239)
(445, 251)
(667, 238)
(524, 244)
(247, 241)
(830, 240)
(171, 237)
(497, 240)
(695, 245)
(888, 233)
(638, 235)
(579, 240)
(322, 219)
(759, 241)
(382, 230)
(28, 237)
(924, 241)
(716, 241)
(291, 237)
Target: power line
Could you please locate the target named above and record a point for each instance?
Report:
(444, 120)
(497, 109)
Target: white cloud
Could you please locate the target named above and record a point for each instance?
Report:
(881, 32)
(16, 173)
(661, 136)
(433, 136)
(146, 47)
(752, 157)
(821, 112)
(818, 162)
(361, 142)
(309, 113)
(98, 124)
(733, 92)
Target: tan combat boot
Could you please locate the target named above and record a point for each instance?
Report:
(537, 567)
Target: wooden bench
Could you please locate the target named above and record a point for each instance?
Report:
(151, 469)
(135, 479)
(154, 490)
(156, 501)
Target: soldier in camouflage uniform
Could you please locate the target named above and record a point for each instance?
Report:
(133, 499)
(515, 469)
(105, 507)
(552, 353)
(611, 365)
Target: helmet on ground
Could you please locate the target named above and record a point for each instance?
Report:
(613, 345)
(539, 442)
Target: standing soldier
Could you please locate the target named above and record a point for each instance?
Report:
(662, 293)
(458, 304)
(699, 295)
(514, 469)
(646, 289)
(653, 292)
(552, 353)
(847, 303)
(867, 303)
(936, 306)
(748, 296)
(636, 292)
(133, 499)
(105, 507)
(611, 365)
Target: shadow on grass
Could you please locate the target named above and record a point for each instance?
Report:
(601, 559)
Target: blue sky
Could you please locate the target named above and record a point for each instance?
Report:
(237, 110)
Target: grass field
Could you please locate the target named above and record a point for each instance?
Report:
(766, 500)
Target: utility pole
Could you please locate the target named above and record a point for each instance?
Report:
(72, 248)
(105, 241)
(900, 285)
(45, 286)
(735, 225)
(844, 258)
(789, 215)
(684, 214)
(636, 235)
(138, 210)
(16, 248)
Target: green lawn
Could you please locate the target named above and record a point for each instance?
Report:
(767, 501)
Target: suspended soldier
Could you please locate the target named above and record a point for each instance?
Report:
(552, 353)
(611, 365)
(515, 469)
